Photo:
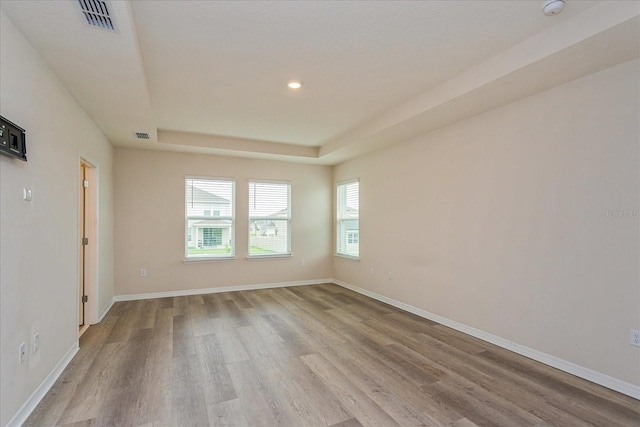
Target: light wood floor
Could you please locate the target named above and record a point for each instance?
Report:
(307, 356)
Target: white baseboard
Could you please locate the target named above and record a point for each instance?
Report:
(555, 362)
(105, 310)
(23, 413)
(181, 293)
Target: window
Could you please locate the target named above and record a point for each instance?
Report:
(207, 235)
(348, 222)
(269, 218)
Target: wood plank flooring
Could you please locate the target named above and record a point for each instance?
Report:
(307, 356)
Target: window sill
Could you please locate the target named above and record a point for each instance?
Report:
(257, 257)
(208, 259)
(345, 256)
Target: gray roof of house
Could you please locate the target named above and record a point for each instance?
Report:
(198, 195)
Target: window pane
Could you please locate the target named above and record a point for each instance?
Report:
(210, 218)
(269, 218)
(347, 222)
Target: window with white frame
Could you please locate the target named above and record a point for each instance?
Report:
(207, 235)
(269, 218)
(347, 220)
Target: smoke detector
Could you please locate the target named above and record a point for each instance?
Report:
(553, 7)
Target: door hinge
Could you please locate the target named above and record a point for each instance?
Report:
(85, 298)
(85, 241)
(85, 183)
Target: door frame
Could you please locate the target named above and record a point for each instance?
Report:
(91, 232)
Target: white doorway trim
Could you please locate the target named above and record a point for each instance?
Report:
(91, 249)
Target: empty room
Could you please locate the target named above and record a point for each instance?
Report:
(319, 213)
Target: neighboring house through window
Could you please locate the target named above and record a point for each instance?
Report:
(207, 198)
(269, 218)
(348, 218)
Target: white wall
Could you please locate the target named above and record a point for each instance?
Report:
(499, 222)
(150, 225)
(39, 239)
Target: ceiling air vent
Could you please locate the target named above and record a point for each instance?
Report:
(97, 13)
(142, 135)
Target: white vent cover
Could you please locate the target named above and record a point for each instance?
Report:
(142, 135)
(97, 13)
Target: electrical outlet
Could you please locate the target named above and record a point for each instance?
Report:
(301, 263)
(35, 342)
(22, 353)
(389, 275)
(143, 272)
(634, 337)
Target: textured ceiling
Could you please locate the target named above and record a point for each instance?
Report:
(209, 76)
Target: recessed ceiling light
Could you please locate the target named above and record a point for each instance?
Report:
(295, 84)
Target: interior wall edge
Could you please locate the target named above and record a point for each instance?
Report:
(599, 378)
(106, 309)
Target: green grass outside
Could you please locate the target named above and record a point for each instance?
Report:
(256, 250)
(208, 251)
(219, 251)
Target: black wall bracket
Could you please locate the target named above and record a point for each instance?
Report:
(12, 140)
